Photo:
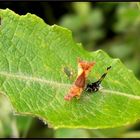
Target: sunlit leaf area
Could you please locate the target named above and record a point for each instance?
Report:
(45, 52)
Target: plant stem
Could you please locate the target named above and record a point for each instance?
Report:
(15, 132)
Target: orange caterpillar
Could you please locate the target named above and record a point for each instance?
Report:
(83, 70)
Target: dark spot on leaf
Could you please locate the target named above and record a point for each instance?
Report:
(67, 72)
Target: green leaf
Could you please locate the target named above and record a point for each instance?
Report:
(138, 4)
(32, 58)
(133, 134)
(71, 133)
(89, 133)
(128, 18)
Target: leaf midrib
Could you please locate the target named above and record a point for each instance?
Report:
(58, 84)
(34, 79)
(132, 96)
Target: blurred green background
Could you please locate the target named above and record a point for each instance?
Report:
(113, 27)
